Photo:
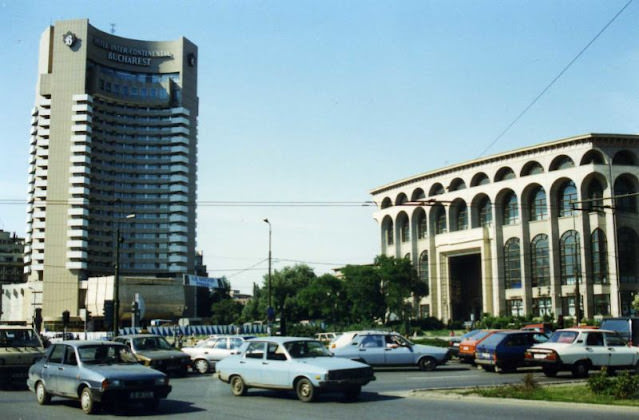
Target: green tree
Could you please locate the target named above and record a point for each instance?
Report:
(400, 283)
(323, 298)
(364, 300)
(226, 311)
(635, 303)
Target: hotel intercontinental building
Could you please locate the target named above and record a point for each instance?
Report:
(531, 231)
(113, 150)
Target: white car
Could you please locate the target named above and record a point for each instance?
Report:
(345, 338)
(291, 363)
(579, 350)
(205, 354)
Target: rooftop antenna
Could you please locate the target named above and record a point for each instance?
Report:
(112, 28)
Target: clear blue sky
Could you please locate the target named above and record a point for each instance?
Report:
(325, 100)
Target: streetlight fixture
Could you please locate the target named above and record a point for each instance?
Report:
(116, 276)
(269, 311)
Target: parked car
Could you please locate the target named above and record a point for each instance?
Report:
(505, 350)
(579, 350)
(20, 347)
(544, 327)
(627, 327)
(96, 372)
(455, 341)
(346, 337)
(467, 347)
(391, 349)
(205, 354)
(326, 337)
(154, 351)
(291, 363)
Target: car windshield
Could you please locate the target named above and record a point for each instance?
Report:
(100, 354)
(151, 343)
(563, 337)
(306, 348)
(19, 338)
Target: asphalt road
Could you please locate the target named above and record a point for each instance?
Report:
(390, 397)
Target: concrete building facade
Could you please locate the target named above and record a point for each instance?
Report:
(113, 153)
(531, 231)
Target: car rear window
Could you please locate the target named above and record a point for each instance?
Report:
(493, 340)
(479, 335)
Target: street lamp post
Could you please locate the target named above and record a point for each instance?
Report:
(116, 277)
(269, 310)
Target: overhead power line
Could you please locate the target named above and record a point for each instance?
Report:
(552, 82)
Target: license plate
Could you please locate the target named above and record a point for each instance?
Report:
(484, 355)
(539, 356)
(138, 395)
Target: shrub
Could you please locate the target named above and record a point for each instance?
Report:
(600, 383)
(626, 385)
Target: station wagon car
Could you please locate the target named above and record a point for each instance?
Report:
(291, 363)
(154, 351)
(392, 349)
(96, 372)
(579, 350)
(205, 354)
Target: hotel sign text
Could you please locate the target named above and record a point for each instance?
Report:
(130, 55)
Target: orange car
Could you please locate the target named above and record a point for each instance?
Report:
(467, 346)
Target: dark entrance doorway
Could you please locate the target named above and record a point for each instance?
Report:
(465, 287)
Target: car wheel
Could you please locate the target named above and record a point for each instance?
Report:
(202, 366)
(427, 363)
(86, 401)
(42, 396)
(580, 369)
(238, 387)
(305, 390)
(353, 392)
(550, 372)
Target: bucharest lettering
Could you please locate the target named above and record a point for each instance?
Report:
(128, 59)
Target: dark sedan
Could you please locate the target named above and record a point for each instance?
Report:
(96, 372)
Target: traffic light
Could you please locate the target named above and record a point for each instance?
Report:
(108, 314)
(65, 318)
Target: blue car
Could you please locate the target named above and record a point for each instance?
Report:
(291, 363)
(96, 372)
(505, 350)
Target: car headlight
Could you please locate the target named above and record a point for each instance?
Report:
(162, 381)
(111, 383)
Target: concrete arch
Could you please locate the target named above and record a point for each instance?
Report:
(436, 189)
(458, 215)
(479, 202)
(417, 195)
(479, 178)
(531, 168)
(561, 162)
(456, 185)
(625, 157)
(504, 173)
(386, 203)
(593, 156)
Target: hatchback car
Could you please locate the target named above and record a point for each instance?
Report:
(391, 349)
(154, 351)
(505, 350)
(579, 350)
(205, 354)
(291, 363)
(95, 372)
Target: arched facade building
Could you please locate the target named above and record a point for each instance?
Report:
(529, 231)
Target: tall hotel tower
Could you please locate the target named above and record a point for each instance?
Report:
(113, 150)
